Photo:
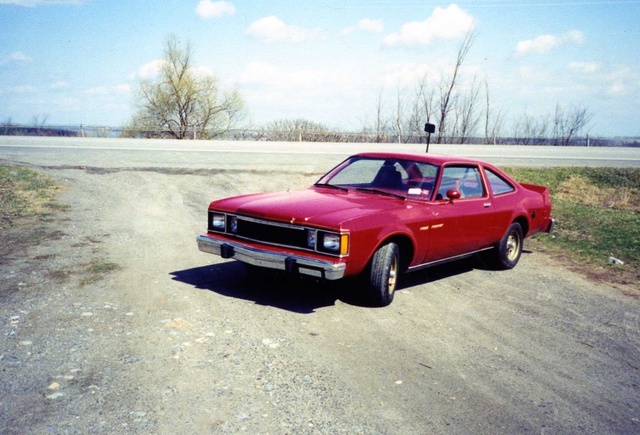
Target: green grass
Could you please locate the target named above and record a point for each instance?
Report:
(24, 192)
(102, 267)
(597, 212)
(96, 270)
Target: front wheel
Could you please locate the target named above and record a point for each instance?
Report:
(509, 249)
(383, 275)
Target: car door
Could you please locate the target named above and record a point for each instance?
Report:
(459, 225)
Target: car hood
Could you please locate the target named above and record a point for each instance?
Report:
(317, 207)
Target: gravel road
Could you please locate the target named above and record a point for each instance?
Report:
(113, 321)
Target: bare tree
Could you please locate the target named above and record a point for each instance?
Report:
(299, 130)
(399, 122)
(468, 116)
(180, 103)
(380, 127)
(421, 110)
(493, 120)
(495, 127)
(425, 99)
(567, 124)
(448, 85)
(7, 126)
(39, 123)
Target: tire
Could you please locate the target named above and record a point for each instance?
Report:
(507, 253)
(383, 275)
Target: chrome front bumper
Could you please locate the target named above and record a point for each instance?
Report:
(272, 260)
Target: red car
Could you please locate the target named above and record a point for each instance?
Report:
(376, 215)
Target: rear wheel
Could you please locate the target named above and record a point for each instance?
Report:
(383, 275)
(507, 253)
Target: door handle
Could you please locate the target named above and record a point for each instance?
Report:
(487, 204)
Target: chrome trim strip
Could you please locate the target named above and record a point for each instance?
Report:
(273, 260)
(445, 260)
(271, 223)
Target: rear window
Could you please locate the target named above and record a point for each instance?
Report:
(497, 184)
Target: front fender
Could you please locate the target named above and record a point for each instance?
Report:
(365, 243)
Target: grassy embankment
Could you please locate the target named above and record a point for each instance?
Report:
(597, 212)
(24, 192)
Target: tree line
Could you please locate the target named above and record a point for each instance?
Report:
(181, 103)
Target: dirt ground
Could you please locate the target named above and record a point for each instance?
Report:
(112, 321)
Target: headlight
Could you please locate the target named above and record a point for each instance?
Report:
(218, 221)
(335, 243)
(233, 224)
(331, 242)
(311, 239)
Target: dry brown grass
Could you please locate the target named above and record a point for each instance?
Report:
(24, 192)
(578, 188)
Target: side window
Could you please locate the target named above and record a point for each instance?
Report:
(465, 179)
(497, 184)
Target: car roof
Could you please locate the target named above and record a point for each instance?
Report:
(435, 159)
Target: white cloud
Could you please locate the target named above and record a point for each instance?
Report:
(448, 23)
(545, 43)
(617, 89)
(273, 29)
(202, 71)
(365, 25)
(623, 80)
(100, 90)
(262, 73)
(19, 56)
(585, 67)
(15, 57)
(530, 74)
(405, 74)
(22, 89)
(122, 89)
(59, 85)
(207, 9)
(150, 69)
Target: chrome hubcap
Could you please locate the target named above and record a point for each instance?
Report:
(393, 274)
(513, 246)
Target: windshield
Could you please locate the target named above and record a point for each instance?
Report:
(384, 175)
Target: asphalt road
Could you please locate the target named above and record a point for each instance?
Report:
(112, 321)
(304, 156)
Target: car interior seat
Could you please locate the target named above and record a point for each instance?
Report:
(388, 178)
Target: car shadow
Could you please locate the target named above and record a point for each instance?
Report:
(278, 290)
(302, 295)
(437, 273)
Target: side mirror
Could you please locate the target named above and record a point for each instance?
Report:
(453, 194)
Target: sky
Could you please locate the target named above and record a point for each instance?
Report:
(73, 62)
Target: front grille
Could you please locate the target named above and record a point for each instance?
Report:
(274, 233)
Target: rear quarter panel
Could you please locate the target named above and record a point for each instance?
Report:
(538, 202)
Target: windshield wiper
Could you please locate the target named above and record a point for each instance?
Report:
(380, 192)
(331, 186)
